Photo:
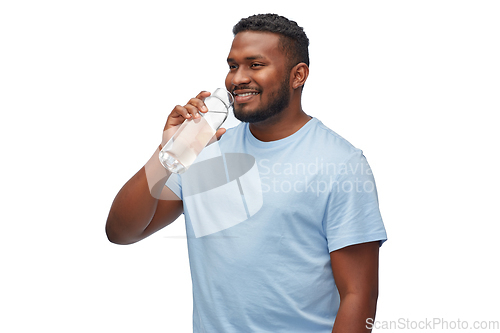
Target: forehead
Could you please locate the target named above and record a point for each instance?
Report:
(255, 43)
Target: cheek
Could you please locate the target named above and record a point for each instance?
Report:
(266, 79)
(228, 82)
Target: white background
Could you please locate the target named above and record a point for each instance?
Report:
(85, 89)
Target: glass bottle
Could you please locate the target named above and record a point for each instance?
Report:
(194, 134)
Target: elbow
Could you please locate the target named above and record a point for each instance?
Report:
(364, 299)
(115, 236)
(370, 296)
(367, 293)
(115, 239)
(371, 299)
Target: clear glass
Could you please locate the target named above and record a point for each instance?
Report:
(194, 134)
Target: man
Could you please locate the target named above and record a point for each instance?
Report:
(298, 252)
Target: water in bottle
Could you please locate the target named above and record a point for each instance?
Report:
(194, 134)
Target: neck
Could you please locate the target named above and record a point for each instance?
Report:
(281, 125)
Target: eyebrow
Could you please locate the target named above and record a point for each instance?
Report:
(256, 57)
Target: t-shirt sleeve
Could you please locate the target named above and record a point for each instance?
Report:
(174, 183)
(352, 215)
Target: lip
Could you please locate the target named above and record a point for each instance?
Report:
(242, 96)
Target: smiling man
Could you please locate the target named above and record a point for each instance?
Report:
(256, 53)
(261, 66)
(304, 258)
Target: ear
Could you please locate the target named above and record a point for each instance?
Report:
(299, 75)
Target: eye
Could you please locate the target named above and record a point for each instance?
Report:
(232, 66)
(256, 65)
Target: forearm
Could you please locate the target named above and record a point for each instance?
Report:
(135, 204)
(353, 312)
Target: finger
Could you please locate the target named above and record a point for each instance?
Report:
(199, 104)
(202, 95)
(198, 101)
(177, 117)
(180, 111)
(192, 110)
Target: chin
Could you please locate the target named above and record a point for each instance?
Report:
(255, 116)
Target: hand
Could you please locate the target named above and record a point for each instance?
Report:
(189, 111)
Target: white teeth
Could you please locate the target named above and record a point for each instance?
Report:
(247, 94)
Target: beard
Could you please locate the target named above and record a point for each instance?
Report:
(279, 100)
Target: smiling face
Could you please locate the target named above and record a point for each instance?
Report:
(258, 76)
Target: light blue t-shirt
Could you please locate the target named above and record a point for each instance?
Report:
(261, 221)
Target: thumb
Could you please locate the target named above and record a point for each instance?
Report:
(217, 135)
(220, 132)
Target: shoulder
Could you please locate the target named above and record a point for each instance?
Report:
(332, 145)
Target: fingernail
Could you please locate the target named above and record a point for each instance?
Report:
(204, 108)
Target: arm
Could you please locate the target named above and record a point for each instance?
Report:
(136, 212)
(355, 269)
(144, 204)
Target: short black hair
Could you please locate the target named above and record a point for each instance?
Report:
(293, 39)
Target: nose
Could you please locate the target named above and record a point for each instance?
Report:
(240, 77)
